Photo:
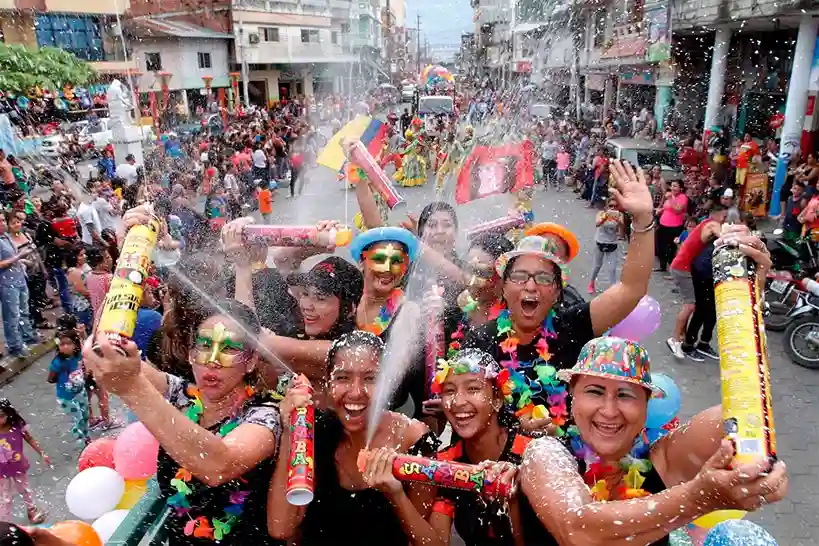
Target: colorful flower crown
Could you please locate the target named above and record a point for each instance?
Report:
(465, 361)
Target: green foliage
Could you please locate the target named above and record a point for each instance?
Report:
(22, 69)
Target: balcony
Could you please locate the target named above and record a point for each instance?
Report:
(698, 13)
(293, 50)
(490, 14)
(98, 7)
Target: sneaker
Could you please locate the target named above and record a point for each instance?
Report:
(705, 350)
(676, 347)
(590, 290)
(691, 352)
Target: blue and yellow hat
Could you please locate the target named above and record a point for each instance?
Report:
(377, 235)
(614, 358)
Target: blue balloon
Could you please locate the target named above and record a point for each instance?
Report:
(739, 532)
(662, 410)
(273, 185)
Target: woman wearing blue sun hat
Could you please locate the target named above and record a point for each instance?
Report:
(607, 482)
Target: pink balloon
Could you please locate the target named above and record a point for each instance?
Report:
(135, 453)
(641, 322)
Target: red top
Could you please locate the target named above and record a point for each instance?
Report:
(690, 249)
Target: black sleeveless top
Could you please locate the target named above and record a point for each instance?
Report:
(483, 523)
(340, 516)
(486, 523)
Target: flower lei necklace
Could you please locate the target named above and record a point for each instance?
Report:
(524, 381)
(635, 464)
(386, 313)
(202, 527)
(459, 333)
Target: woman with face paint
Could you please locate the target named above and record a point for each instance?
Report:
(218, 436)
(609, 482)
(370, 508)
(534, 333)
(472, 387)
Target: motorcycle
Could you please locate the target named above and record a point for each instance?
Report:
(782, 292)
(799, 256)
(802, 335)
(43, 175)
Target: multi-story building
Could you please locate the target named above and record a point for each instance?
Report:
(89, 29)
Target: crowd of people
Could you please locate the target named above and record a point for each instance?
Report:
(228, 345)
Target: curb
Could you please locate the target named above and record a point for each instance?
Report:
(15, 366)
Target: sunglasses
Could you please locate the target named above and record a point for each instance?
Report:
(541, 278)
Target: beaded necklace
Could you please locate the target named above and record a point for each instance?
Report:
(202, 527)
(635, 464)
(523, 381)
(386, 313)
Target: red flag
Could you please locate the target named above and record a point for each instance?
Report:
(490, 170)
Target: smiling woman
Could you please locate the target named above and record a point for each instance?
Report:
(370, 508)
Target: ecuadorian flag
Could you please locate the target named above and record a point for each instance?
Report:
(371, 132)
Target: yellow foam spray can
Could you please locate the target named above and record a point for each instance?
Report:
(744, 375)
(119, 309)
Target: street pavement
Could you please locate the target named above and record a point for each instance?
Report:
(793, 522)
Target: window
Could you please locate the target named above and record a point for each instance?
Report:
(270, 34)
(599, 27)
(309, 36)
(204, 60)
(345, 28)
(153, 62)
(77, 34)
(334, 37)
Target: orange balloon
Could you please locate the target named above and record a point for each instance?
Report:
(77, 533)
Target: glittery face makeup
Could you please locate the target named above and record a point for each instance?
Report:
(215, 348)
(387, 259)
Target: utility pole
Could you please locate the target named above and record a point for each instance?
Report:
(418, 44)
(243, 60)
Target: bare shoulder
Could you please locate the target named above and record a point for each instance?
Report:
(405, 431)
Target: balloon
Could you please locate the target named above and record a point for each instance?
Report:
(663, 410)
(710, 520)
(641, 322)
(94, 491)
(100, 452)
(134, 490)
(739, 533)
(135, 453)
(106, 525)
(77, 533)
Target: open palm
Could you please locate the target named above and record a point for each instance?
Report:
(631, 190)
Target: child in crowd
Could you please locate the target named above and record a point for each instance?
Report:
(67, 373)
(690, 224)
(610, 230)
(265, 197)
(13, 463)
(563, 161)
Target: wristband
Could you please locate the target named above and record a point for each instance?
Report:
(646, 229)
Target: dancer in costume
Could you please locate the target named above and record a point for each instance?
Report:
(413, 171)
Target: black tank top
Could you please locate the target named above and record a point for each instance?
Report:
(486, 523)
(481, 523)
(338, 515)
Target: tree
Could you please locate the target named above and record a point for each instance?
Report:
(22, 69)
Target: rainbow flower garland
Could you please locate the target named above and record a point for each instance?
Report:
(459, 333)
(635, 464)
(520, 390)
(202, 527)
(386, 313)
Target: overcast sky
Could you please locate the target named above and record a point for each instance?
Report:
(442, 21)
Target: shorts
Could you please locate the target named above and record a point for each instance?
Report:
(686, 286)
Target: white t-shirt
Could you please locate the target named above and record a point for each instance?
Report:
(230, 182)
(88, 215)
(106, 213)
(259, 159)
(127, 172)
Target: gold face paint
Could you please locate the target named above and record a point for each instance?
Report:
(387, 259)
(215, 348)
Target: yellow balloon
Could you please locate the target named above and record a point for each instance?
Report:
(134, 490)
(710, 520)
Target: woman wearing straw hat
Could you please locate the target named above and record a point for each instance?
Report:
(608, 482)
(534, 332)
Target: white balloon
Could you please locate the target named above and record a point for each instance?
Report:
(107, 524)
(94, 491)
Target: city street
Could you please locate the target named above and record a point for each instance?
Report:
(793, 521)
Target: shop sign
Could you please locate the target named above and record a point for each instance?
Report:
(638, 77)
(627, 46)
(524, 67)
(596, 82)
(659, 35)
